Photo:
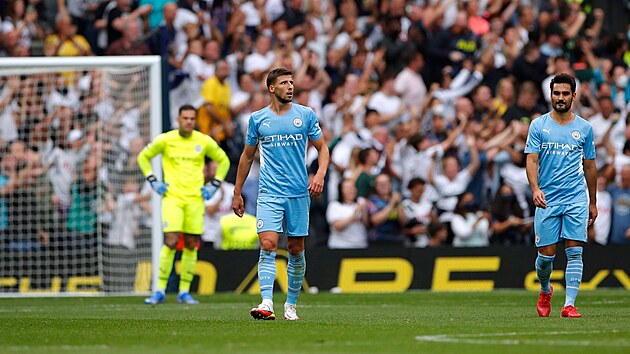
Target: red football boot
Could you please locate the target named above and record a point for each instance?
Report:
(544, 303)
(570, 312)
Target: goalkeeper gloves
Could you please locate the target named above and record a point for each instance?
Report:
(209, 189)
(159, 187)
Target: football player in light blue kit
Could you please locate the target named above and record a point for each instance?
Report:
(561, 155)
(281, 131)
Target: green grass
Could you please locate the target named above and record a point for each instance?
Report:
(413, 322)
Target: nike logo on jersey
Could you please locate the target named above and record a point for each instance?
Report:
(548, 131)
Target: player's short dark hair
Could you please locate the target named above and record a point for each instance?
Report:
(187, 107)
(275, 73)
(563, 79)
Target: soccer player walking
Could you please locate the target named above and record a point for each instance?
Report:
(184, 151)
(561, 154)
(281, 130)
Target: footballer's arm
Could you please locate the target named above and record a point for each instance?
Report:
(244, 165)
(316, 185)
(531, 168)
(590, 173)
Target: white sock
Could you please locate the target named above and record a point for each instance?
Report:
(268, 303)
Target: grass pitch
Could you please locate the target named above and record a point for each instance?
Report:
(413, 322)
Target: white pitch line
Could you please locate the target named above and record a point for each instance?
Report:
(484, 339)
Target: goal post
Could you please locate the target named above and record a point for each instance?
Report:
(76, 216)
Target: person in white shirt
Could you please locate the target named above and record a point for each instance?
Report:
(600, 230)
(62, 167)
(409, 83)
(603, 123)
(261, 59)
(470, 226)
(417, 157)
(419, 212)
(386, 102)
(347, 218)
(216, 207)
(8, 126)
(454, 180)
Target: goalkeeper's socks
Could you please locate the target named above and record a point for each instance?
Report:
(295, 271)
(267, 273)
(167, 255)
(544, 266)
(573, 274)
(189, 262)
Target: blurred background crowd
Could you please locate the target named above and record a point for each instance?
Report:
(425, 104)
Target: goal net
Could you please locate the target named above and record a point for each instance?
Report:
(75, 212)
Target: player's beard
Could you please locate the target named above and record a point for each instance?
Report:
(284, 100)
(565, 108)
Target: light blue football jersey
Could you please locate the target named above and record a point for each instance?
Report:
(282, 143)
(560, 150)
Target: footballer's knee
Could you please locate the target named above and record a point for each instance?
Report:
(268, 245)
(191, 241)
(295, 246)
(170, 239)
(268, 241)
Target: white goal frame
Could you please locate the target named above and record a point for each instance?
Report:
(29, 65)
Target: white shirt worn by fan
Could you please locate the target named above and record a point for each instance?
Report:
(125, 222)
(352, 236)
(604, 217)
(258, 62)
(8, 127)
(212, 225)
(63, 170)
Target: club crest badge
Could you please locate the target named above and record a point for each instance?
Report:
(576, 134)
(259, 224)
(198, 148)
(297, 122)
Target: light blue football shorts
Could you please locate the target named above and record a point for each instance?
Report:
(271, 211)
(567, 222)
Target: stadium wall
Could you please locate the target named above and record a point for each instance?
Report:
(358, 271)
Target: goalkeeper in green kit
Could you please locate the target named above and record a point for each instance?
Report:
(184, 151)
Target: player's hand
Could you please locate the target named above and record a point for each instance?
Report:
(238, 206)
(159, 187)
(539, 199)
(209, 189)
(316, 185)
(592, 213)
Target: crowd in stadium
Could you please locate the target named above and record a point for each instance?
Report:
(425, 105)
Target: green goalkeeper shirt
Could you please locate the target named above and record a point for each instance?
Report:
(183, 161)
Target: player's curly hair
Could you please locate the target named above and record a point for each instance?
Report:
(563, 79)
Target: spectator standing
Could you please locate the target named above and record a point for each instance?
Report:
(23, 20)
(131, 41)
(419, 212)
(409, 83)
(66, 42)
(216, 207)
(599, 232)
(215, 118)
(470, 226)
(620, 193)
